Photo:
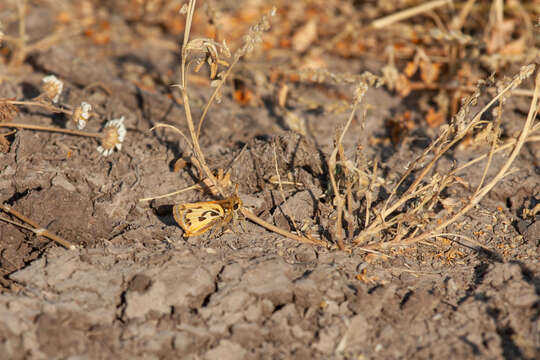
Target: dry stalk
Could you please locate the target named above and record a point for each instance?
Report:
(506, 146)
(369, 192)
(495, 133)
(20, 53)
(460, 20)
(50, 129)
(405, 14)
(192, 187)
(36, 229)
(251, 216)
(39, 104)
(187, 109)
(338, 198)
(160, 125)
(252, 38)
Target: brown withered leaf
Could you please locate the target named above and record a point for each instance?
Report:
(434, 118)
(410, 69)
(403, 85)
(429, 71)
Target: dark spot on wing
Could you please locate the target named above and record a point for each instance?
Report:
(212, 213)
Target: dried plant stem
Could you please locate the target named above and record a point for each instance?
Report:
(36, 228)
(527, 127)
(216, 92)
(249, 215)
(410, 169)
(20, 44)
(339, 200)
(405, 14)
(500, 148)
(40, 104)
(50, 129)
(417, 86)
(192, 187)
(369, 192)
(495, 133)
(460, 21)
(187, 109)
(160, 125)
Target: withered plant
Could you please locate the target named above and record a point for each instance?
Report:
(407, 216)
(214, 54)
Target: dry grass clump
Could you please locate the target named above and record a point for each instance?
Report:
(406, 216)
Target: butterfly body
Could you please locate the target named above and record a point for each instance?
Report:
(197, 218)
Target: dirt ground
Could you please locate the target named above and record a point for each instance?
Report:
(136, 288)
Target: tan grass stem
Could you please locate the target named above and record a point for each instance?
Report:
(405, 14)
(49, 129)
(36, 228)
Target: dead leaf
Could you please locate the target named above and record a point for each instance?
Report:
(410, 69)
(429, 72)
(403, 85)
(434, 119)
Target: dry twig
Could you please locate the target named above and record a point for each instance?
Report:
(36, 229)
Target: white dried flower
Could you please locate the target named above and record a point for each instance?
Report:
(114, 134)
(81, 115)
(52, 87)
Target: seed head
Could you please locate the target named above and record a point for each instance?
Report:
(52, 87)
(81, 115)
(113, 136)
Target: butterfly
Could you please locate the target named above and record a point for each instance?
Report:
(197, 218)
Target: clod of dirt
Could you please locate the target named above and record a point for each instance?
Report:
(270, 280)
(532, 234)
(174, 285)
